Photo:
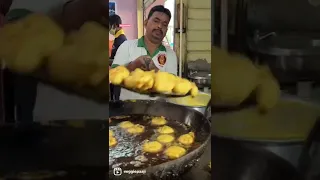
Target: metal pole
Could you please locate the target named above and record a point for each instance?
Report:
(224, 24)
(181, 31)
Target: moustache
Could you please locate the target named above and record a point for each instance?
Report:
(158, 30)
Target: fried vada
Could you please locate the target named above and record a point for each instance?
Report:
(175, 152)
(165, 130)
(165, 138)
(112, 141)
(158, 121)
(186, 139)
(126, 124)
(152, 147)
(136, 129)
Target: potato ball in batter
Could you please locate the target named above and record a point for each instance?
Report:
(175, 152)
(165, 138)
(112, 141)
(186, 139)
(136, 129)
(158, 121)
(110, 133)
(152, 147)
(165, 130)
(126, 124)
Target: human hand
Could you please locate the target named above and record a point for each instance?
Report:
(145, 63)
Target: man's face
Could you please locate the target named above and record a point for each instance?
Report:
(157, 26)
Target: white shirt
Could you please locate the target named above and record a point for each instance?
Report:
(52, 104)
(164, 58)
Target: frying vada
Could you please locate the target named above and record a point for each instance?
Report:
(110, 133)
(175, 152)
(186, 139)
(165, 130)
(112, 141)
(165, 138)
(136, 129)
(158, 121)
(152, 147)
(126, 124)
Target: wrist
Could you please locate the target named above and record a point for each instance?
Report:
(131, 66)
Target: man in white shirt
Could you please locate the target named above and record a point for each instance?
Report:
(148, 53)
(38, 101)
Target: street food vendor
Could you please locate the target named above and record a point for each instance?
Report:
(119, 38)
(35, 100)
(148, 53)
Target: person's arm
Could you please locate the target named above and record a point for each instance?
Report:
(173, 66)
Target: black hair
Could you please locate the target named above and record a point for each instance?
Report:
(115, 20)
(159, 8)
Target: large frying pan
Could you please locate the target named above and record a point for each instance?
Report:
(196, 120)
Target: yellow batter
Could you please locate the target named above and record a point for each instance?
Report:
(158, 121)
(165, 130)
(174, 152)
(112, 141)
(152, 147)
(126, 124)
(165, 138)
(110, 133)
(288, 120)
(136, 129)
(186, 139)
(201, 99)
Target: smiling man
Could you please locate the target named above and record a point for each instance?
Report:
(148, 53)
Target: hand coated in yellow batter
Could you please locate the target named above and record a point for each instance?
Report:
(165, 130)
(136, 129)
(126, 124)
(186, 139)
(158, 121)
(152, 147)
(165, 138)
(175, 152)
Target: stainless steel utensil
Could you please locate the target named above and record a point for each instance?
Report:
(201, 79)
